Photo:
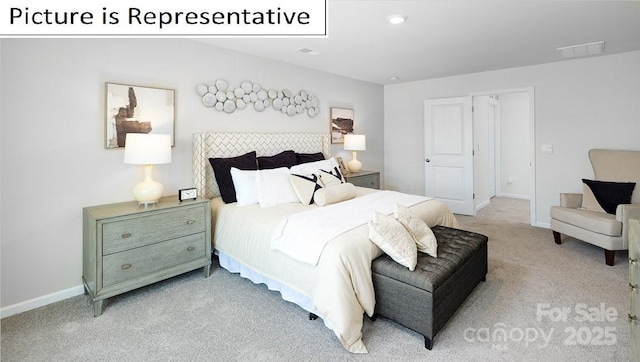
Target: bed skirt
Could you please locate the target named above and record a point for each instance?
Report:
(288, 294)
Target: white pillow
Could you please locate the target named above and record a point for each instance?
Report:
(246, 186)
(389, 234)
(328, 179)
(419, 230)
(305, 187)
(310, 168)
(274, 187)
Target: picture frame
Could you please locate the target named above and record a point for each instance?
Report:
(341, 123)
(343, 168)
(137, 109)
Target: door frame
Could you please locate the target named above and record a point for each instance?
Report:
(532, 169)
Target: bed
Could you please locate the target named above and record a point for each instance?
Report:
(337, 287)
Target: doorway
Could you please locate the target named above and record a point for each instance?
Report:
(502, 147)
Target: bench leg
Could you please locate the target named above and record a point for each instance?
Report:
(609, 255)
(556, 237)
(428, 343)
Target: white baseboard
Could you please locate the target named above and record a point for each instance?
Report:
(40, 301)
(545, 225)
(515, 196)
(482, 205)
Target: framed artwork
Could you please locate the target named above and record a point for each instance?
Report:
(137, 109)
(341, 124)
(343, 168)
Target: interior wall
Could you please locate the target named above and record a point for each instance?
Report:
(579, 104)
(515, 145)
(52, 143)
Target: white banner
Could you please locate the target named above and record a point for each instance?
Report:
(188, 18)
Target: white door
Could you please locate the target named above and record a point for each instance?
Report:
(448, 133)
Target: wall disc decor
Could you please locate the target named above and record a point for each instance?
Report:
(225, 98)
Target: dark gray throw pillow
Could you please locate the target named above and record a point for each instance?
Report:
(222, 170)
(308, 157)
(611, 194)
(282, 159)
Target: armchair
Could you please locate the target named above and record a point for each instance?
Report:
(609, 231)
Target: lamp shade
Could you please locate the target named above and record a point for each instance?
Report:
(355, 142)
(147, 149)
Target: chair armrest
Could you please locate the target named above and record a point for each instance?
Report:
(570, 200)
(623, 214)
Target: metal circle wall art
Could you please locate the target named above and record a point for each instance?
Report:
(228, 99)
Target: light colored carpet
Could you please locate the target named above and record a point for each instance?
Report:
(227, 318)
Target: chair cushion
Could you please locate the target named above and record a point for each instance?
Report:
(598, 222)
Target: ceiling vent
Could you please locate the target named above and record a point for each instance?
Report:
(307, 51)
(581, 50)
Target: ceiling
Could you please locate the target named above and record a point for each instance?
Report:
(443, 38)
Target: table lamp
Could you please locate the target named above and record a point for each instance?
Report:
(354, 143)
(147, 149)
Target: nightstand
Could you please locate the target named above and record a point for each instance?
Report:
(370, 179)
(126, 246)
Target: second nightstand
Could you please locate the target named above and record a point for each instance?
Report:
(370, 179)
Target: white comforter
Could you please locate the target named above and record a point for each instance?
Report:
(339, 286)
(322, 224)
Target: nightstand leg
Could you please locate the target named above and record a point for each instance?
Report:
(207, 270)
(97, 307)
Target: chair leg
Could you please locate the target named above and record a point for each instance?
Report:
(609, 255)
(556, 237)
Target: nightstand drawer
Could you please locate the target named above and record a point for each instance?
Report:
(131, 233)
(370, 181)
(131, 264)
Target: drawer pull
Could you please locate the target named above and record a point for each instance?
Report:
(633, 318)
(634, 287)
(189, 222)
(126, 266)
(633, 261)
(126, 235)
(191, 248)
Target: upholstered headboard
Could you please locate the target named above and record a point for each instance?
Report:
(208, 145)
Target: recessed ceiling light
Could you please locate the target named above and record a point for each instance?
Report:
(394, 78)
(307, 51)
(581, 50)
(396, 19)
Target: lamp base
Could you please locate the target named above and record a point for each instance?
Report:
(354, 165)
(148, 192)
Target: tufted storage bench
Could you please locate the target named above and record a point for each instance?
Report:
(423, 300)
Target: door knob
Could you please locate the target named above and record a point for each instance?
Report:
(427, 160)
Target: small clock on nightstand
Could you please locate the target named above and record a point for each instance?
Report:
(187, 194)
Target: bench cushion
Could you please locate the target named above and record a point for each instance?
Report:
(455, 247)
